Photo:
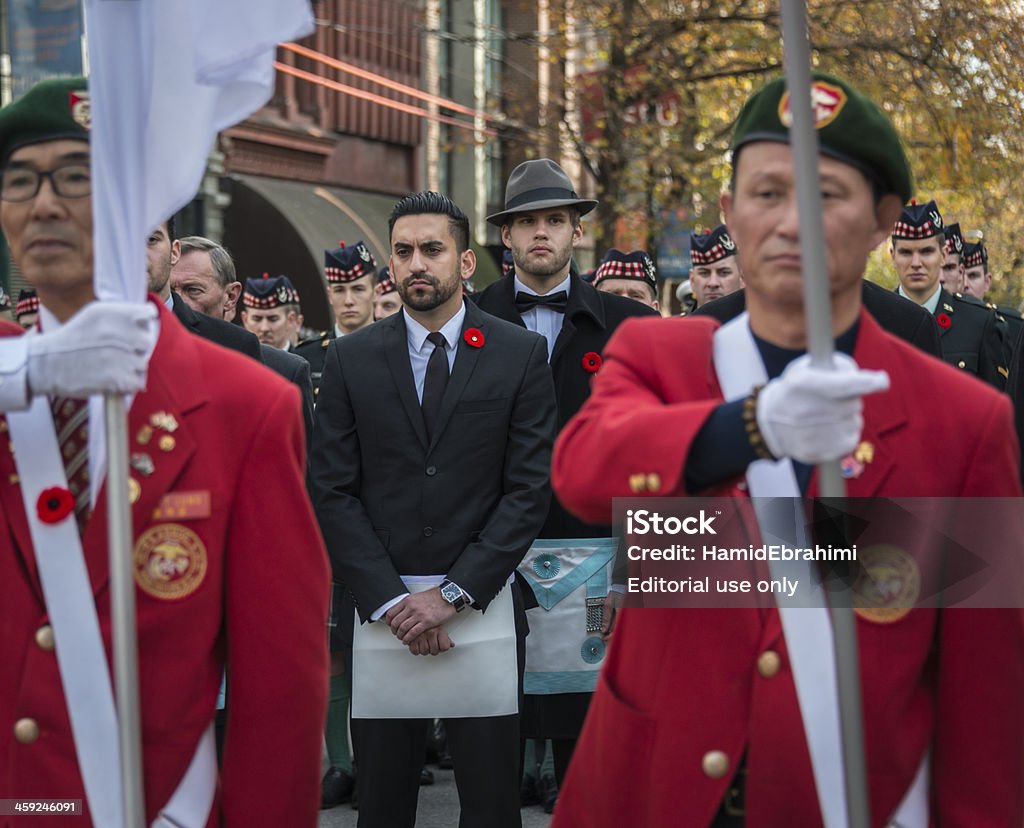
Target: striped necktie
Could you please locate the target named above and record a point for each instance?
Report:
(71, 421)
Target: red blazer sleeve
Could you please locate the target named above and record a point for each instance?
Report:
(978, 751)
(277, 639)
(650, 398)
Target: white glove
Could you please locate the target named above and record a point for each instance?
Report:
(104, 348)
(813, 415)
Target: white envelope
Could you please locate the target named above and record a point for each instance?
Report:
(477, 677)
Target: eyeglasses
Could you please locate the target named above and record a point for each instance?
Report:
(23, 183)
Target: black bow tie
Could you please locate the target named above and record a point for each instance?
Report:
(555, 301)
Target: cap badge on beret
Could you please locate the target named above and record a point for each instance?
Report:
(28, 302)
(954, 241)
(81, 114)
(348, 263)
(385, 284)
(708, 248)
(268, 293)
(919, 221)
(975, 254)
(618, 265)
(851, 128)
(827, 99)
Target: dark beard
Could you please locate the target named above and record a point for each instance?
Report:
(427, 301)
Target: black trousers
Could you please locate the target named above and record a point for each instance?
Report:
(485, 754)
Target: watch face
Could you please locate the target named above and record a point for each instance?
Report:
(451, 593)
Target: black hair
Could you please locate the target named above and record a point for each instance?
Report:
(417, 204)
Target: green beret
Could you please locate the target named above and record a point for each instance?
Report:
(50, 110)
(851, 128)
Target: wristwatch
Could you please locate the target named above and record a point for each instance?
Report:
(453, 594)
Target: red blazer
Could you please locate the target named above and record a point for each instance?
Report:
(677, 684)
(260, 606)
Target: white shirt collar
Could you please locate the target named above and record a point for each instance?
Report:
(929, 304)
(417, 334)
(563, 285)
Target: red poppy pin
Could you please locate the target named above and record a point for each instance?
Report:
(54, 504)
(591, 362)
(943, 320)
(474, 337)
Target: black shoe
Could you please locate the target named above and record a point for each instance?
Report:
(547, 792)
(444, 759)
(440, 744)
(426, 776)
(528, 791)
(435, 738)
(337, 787)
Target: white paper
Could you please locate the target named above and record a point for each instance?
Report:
(477, 677)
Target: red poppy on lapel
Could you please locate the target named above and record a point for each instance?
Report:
(592, 362)
(474, 337)
(943, 321)
(54, 504)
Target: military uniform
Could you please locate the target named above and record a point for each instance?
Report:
(342, 264)
(692, 706)
(256, 589)
(1014, 324)
(969, 333)
(684, 695)
(971, 337)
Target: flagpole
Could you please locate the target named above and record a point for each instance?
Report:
(818, 315)
(122, 603)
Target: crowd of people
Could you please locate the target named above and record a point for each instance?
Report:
(397, 533)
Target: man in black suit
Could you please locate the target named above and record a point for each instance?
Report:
(162, 252)
(898, 316)
(541, 226)
(431, 457)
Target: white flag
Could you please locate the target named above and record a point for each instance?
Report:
(165, 77)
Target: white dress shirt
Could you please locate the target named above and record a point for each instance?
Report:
(420, 349)
(929, 304)
(546, 322)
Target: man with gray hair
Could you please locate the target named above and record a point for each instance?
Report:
(204, 276)
(204, 279)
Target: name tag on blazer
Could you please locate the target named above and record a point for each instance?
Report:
(183, 506)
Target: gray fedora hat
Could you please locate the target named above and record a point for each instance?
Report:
(539, 185)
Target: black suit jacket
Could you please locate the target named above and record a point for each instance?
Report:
(469, 502)
(897, 315)
(591, 318)
(294, 369)
(216, 330)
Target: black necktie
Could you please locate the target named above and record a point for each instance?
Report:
(434, 383)
(528, 301)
